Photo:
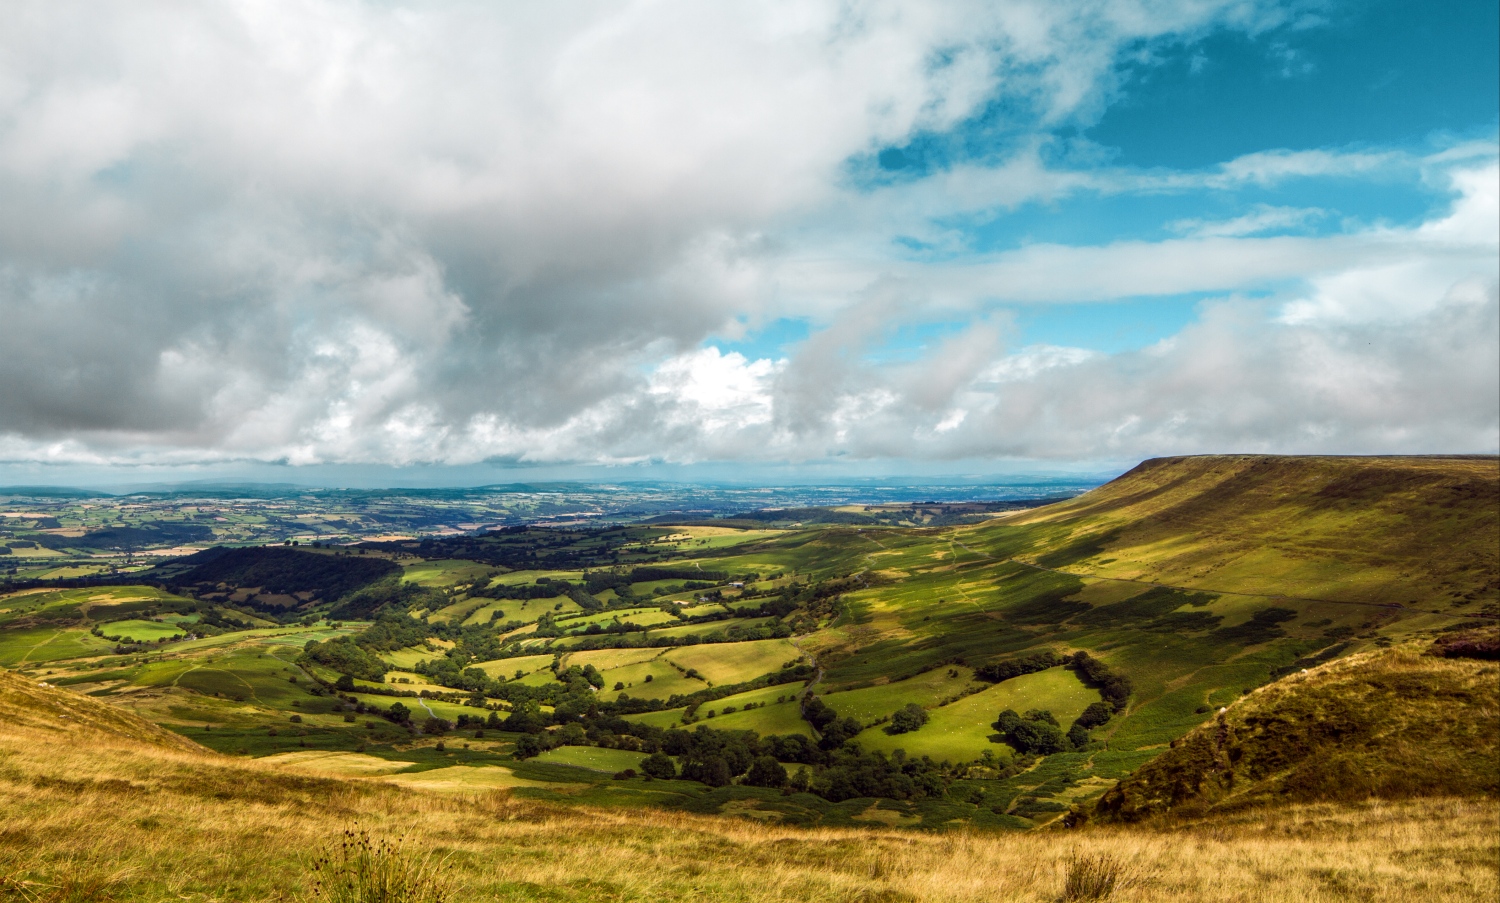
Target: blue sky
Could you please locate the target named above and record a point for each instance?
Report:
(1368, 77)
(793, 239)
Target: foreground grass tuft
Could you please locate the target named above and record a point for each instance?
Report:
(1091, 877)
(360, 869)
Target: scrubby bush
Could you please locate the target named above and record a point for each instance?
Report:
(1091, 878)
(1035, 732)
(766, 772)
(359, 869)
(529, 746)
(1029, 664)
(907, 719)
(1114, 687)
(658, 765)
(840, 732)
(1096, 714)
(1480, 644)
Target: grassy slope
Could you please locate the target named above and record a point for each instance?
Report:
(1416, 531)
(103, 812)
(924, 602)
(1389, 724)
(59, 718)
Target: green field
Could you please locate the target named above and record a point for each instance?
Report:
(961, 731)
(421, 708)
(37, 645)
(664, 719)
(1266, 574)
(665, 681)
(708, 627)
(294, 637)
(518, 578)
(445, 572)
(645, 617)
(592, 757)
(408, 658)
(733, 663)
(605, 659)
(458, 612)
(772, 718)
(143, 631)
(926, 690)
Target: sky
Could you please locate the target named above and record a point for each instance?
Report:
(471, 242)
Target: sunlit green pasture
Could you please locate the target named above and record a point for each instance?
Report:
(408, 658)
(773, 718)
(592, 757)
(444, 572)
(605, 659)
(644, 617)
(507, 667)
(143, 631)
(663, 719)
(961, 731)
(708, 627)
(732, 663)
(666, 681)
(926, 690)
(47, 644)
(458, 612)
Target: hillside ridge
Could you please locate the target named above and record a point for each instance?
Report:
(1388, 724)
(1401, 530)
(36, 705)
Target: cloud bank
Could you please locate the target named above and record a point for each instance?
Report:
(346, 232)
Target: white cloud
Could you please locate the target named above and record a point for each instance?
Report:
(1264, 218)
(352, 232)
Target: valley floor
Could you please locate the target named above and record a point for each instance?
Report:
(84, 817)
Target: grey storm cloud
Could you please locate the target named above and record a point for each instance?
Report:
(452, 232)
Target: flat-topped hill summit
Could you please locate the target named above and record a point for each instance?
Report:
(1408, 530)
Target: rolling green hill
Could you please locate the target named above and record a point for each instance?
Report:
(1388, 725)
(1413, 531)
(1128, 616)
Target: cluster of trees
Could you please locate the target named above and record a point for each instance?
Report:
(1036, 732)
(544, 588)
(908, 718)
(280, 570)
(345, 656)
(718, 758)
(387, 593)
(599, 581)
(833, 730)
(540, 548)
(1030, 664)
(1113, 686)
(358, 656)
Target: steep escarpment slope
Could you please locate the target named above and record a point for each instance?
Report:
(55, 716)
(1403, 530)
(1390, 724)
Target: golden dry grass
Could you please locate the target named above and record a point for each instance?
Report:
(95, 815)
